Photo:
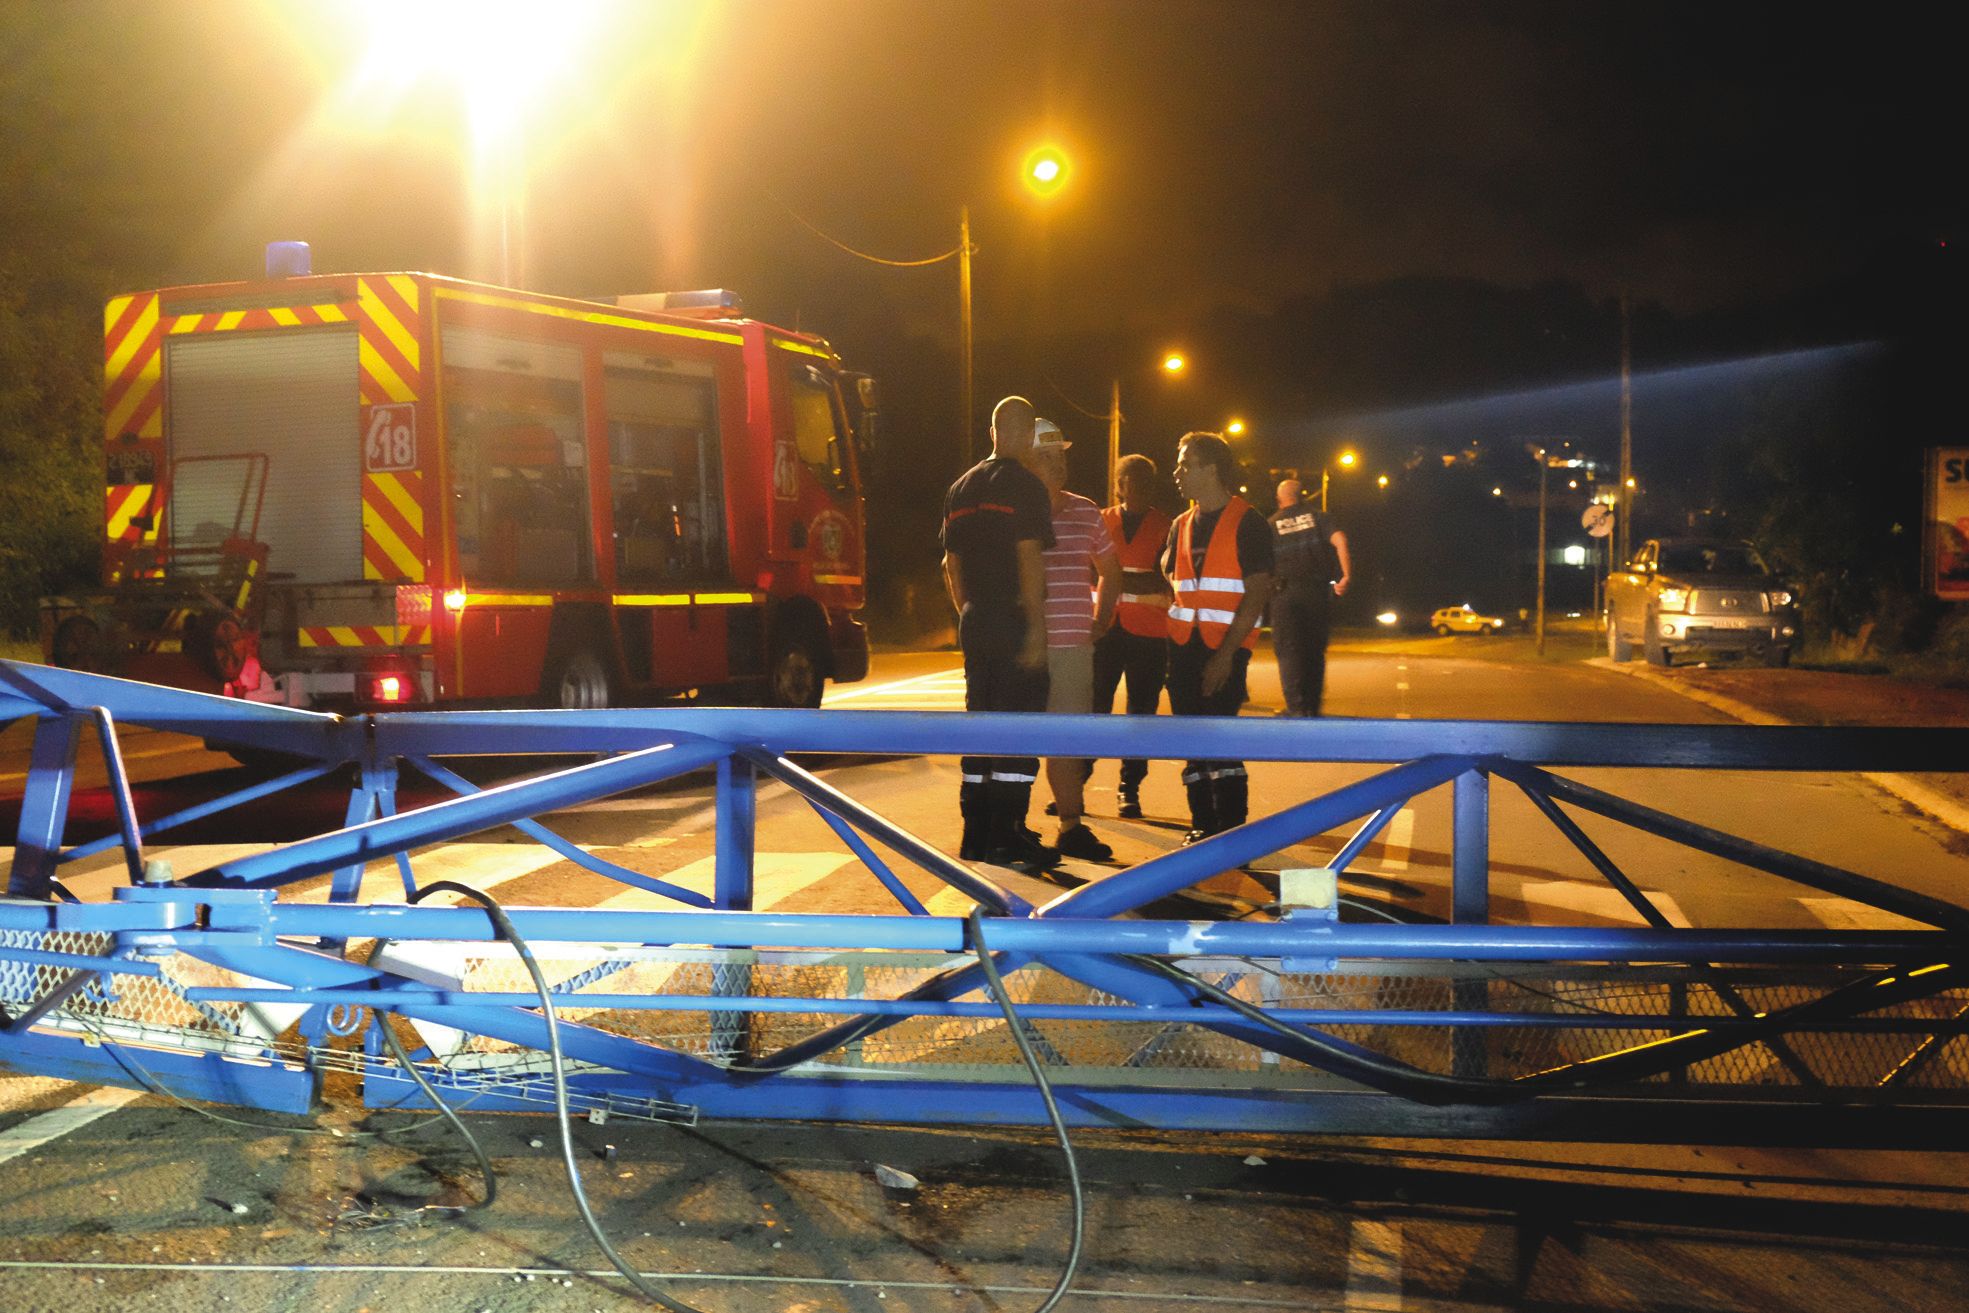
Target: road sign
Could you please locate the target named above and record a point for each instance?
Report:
(1597, 520)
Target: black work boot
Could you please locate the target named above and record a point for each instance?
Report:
(973, 804)
(1203, 808)
(1128, 803)
(1011, 843)
(1233, 799)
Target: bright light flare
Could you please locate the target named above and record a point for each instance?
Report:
(1348, 460)
(1046, 170)
(1387, 618)
(1174, 363)
(499, 57)
(1235, 428)
(1381, 482)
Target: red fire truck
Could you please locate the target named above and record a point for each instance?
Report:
(351, 491)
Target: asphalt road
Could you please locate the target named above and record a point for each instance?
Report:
(135, 1207)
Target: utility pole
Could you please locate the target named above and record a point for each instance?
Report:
(1626, 516)
(1544, 470)
(1114, 434)
(964, 331)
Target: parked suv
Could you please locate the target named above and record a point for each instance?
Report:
(1688, 594)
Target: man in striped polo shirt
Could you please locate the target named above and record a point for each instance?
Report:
(1082, 554)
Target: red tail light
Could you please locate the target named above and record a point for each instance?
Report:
(390, 688)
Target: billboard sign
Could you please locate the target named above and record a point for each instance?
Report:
(1946, 545)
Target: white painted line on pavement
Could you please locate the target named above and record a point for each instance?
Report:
(57, 1122)
(1374, 1265)
(1399, 841)
(871, 690)
(1598, 900)
(1845, 914)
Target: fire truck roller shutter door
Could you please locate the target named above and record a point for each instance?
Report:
(292, 396)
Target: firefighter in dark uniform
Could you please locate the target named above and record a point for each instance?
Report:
(1219, 563)
(998, 520)
(1137, 647)
(1313, 568)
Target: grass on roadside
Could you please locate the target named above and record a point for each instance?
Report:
(19, 649)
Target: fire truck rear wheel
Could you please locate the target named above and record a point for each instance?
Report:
(78, 644)
(798, 674)
(579, 681)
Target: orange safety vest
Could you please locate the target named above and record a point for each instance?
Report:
(1146, 614)
(1209, 603)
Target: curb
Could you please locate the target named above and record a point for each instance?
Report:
(1922, 797)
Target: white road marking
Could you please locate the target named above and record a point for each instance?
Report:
(1845, 914)
(891, 687)
(1374, 1265)
(57, 1122)
(1401, 686)
(1398, 841)
(1598, 900)
(776, 877)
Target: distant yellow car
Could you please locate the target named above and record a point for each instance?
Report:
(1462, 620)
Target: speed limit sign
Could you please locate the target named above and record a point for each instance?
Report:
(1597, 520)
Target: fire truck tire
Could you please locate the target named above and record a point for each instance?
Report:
(579, 681)
(797, 673)
(78, 644)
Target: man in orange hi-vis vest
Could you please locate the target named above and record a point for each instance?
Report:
(1137, 648)
(1219, 563)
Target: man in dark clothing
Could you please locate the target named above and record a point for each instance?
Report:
(1219, 563)
(1313, 569)
(998, 520)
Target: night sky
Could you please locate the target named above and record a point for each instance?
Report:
(1235, 153)
(1342, 210)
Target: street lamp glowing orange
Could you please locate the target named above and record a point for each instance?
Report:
(1235, 428)
(1173, 363)
(1381, 482)
(1348, 459)
(1046, 170)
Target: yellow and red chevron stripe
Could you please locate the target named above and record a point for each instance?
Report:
(286, 316)
(389, 327)
(133, 368)
(393, 544)
(365, 635)
(125, 501)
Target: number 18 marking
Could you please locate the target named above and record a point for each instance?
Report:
(391, 443)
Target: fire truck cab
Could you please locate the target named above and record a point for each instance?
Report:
(375, 490)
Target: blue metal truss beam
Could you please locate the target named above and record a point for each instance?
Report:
(456, 817)
(1803, 870)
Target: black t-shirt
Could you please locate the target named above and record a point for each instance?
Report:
(991, 508)
(1254, 543)
(1306, 559)
(1131, 521)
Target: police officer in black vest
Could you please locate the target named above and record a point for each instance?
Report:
(1313, 568)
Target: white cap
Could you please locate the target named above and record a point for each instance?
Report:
(1046, 435)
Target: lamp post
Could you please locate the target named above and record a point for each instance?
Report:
(1346, 460)
(1546, 462)
(1045, 172)
(1172, 364)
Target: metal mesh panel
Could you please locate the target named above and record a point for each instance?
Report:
(1549, 1016)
